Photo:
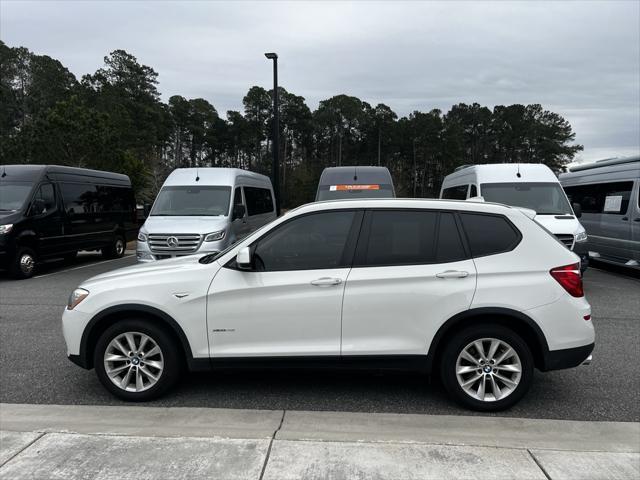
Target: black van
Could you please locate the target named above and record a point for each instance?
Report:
(52, 212)
(339, 183)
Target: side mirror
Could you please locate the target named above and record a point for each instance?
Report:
(37, 207)
(238, 212)
(577, 209)
(243, 258)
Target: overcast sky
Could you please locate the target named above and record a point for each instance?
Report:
(580, 59)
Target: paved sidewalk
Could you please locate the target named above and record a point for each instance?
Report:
(86, 442)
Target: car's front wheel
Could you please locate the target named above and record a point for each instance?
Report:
(487, 367)
(136, 360)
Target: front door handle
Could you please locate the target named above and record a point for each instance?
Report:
(452, 274)
(326, 282)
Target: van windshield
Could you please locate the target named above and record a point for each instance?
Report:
(13, 195)
(544, 198)
(342, 192)
(178, 201)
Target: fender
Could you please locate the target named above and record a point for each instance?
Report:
(85, 359)
(449, 326)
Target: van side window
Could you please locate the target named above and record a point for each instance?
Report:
(474, 191)
(113, 199)
(47, 196)
(455, 193)
(79, 198)
(258, 200)
(489, 234)
(610, 198)
(237, 196)
(308, 242)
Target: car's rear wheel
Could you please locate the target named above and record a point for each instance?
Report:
(487, 367)
(136, 360)
(24, 263)
(116, 249)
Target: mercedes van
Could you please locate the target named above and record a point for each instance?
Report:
(341, 183)
(53, 211)
(608, 193)
(527, 185)
(204, 210)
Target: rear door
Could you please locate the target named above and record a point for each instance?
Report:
(411, 273)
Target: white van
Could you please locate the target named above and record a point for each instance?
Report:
(204, 210)
(528, 185)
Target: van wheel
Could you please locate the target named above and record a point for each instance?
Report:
(24, 263)
(487, 368)
(136, 360)
(116, 249)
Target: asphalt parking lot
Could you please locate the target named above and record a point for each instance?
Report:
(34, 368)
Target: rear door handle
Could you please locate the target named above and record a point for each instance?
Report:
(326, 282)
(452, 274)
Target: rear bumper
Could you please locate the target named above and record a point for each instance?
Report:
(567, 358)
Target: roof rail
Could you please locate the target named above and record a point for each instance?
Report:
(605, 163)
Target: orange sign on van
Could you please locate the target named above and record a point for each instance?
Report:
(334, 188)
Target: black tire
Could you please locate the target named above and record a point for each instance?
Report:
(460, 341)
(173, 361)
(116, 249)
(24, 263)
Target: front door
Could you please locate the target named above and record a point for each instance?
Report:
(47, 221)
(410, 274)
(290, 302)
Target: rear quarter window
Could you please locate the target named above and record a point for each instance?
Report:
(489, 234)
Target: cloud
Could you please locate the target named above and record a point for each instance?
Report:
(580, 59)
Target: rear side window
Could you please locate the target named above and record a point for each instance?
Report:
(258, 200)
(455, 193)
(489, 234)
(399, 237)
(79, 198)
(610, 198)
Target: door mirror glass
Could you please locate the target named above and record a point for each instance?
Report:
(577, 209)
(238, 211)
(243, 258)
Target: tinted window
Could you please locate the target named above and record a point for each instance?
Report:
(13, 195)
(474, 191)
(79, 198)
(237, 196)
(355, 192)
(258, 200)
(611, 198)
(401, 238)
(489, 234)
(45, 194)
(449, 248)
(113, 199)
(305, 243)
(455, 193)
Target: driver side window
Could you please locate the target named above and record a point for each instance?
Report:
(44, 200)
(310, 242)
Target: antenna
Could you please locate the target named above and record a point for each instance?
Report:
(4, 171)
(197, 176)
(518, 174)
(355, 174)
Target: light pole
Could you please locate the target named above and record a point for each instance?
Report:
(275, 170)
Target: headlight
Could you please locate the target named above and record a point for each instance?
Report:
(214, 236)
(142, 237)
(5, 228)
(581, 236)
(77, 296)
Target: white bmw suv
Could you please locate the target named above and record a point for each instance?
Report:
(476, 292)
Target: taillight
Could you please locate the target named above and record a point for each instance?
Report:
(570, 279)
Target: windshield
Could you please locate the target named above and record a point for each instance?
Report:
(13, 195)
(334, 192)
(544, 198)
(192, 201)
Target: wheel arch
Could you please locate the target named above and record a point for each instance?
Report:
(517, 321)
(103, 320)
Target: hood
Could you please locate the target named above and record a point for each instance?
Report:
(560, 224)
(178, 225)
(10, 216)
(168, 267)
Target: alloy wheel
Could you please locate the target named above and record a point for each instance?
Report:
(488, 369)
(119, 246)
(27, 263)
(133, 361)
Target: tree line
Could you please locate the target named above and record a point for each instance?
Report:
(115, 119)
